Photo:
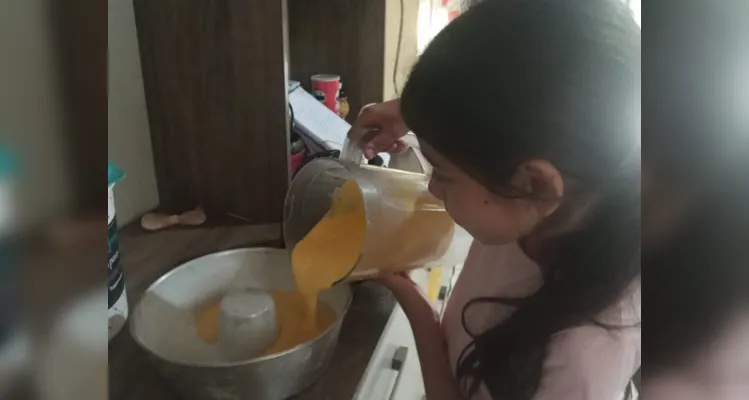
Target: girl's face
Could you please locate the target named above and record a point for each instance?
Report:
(489, 218)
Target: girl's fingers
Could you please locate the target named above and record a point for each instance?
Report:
(405, 290)
(369, 152)
(379, 128)
(398, 146)
(395, 279)
(383, 141)
(371, 149)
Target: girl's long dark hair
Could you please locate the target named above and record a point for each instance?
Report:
(698, 280)
(512, 80)
(698, 277)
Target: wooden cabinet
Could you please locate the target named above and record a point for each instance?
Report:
(215, 75)
(344, 37)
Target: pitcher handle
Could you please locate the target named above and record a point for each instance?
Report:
(353, 146)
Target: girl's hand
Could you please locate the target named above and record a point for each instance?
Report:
(411, 298)
(380, 126)
(439, 381)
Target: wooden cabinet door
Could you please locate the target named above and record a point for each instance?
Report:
(214, 74)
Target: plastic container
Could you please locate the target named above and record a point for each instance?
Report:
(117, 314)
(406, 227)
(15, 348)
(9, 279)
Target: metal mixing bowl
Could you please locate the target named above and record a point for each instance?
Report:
(163, 324)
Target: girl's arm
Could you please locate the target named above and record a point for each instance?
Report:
(439, 381)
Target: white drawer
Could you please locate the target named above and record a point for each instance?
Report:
(381, 381)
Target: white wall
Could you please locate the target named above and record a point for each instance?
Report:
(408, 51)
(422, 20)
(129, 137)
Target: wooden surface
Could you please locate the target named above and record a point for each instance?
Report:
(343, 37)
(215, 81)
(147, 256)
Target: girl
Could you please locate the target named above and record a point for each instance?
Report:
(529, 113)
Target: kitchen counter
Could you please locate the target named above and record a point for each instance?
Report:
(146, 256)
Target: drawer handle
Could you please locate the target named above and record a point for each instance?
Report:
(396, 364)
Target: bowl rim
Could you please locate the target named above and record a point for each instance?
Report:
(226, 364)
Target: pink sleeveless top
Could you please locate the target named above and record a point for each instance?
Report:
(583, 363)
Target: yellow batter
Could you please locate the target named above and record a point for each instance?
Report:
(291, 317)
(422, 237)
(333, 247)
(323, 257)
(206, 321)
(329, 251)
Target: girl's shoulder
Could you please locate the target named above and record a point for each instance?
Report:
(589, 362)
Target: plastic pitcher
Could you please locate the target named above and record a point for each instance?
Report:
(405, 226)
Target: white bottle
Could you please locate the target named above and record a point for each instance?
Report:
(118, 310)
(15, 348)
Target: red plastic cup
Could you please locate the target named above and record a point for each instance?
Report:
(326, 88)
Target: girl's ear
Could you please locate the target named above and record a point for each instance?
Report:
(543, 182)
